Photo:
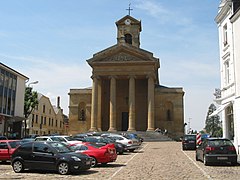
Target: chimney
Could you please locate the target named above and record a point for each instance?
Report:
(58, 102)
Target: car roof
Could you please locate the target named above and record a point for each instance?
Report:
(215, 138)
(10, 140)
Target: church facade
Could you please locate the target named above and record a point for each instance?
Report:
(126, 94)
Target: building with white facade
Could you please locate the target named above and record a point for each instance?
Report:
(46, 118)
(12, 90)
(228, 96)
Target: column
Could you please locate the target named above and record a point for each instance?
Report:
(94, 104)
(99, 112)
(112, 123)
(131, 126)
(150, 103)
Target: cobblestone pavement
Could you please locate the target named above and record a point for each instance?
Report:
(156, 160)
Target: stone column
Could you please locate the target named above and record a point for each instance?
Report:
(99, 112)
(112, 123)
(131, 126)
(150, 103)
(94, 104)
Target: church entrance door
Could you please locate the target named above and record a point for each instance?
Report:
(124, 121)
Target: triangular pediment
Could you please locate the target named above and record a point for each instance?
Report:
(121, 57)
(122, 53)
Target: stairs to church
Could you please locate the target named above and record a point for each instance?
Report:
(153, 136)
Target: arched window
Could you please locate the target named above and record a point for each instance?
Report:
(169, 111)
(128, 38)
(82, 112)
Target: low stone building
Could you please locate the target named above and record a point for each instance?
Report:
(126, 94)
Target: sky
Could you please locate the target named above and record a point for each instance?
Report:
(50, 40)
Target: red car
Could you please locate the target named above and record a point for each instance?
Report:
(7, 147)
(99, 153)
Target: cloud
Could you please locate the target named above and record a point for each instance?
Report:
(162, 13)
(55, 78)
(154, 9)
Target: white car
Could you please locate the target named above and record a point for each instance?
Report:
(130, 144)
(46, 138)
(67, 139)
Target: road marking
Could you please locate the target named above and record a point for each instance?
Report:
(204, 172)
(127, 162)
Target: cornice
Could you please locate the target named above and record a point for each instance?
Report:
(223, 12)
(235, 16)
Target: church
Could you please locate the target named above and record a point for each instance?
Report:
(126, 94)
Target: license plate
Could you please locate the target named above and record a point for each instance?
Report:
(191, 141)
(222, 158)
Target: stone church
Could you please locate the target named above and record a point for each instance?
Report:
(126, 94)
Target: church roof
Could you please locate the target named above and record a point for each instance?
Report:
(123, 53)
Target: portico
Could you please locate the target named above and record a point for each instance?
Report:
(114, 100)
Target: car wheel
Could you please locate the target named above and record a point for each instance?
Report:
(205, 162)
(234, 163)
(18, 166)
(121, 152)
(63, 168)
(94, 162)
(197, 159)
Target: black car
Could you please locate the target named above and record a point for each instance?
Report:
(3, 138)
(48, 155)
(189, 142)
(216, 150)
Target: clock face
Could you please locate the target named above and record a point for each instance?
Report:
(127, 21)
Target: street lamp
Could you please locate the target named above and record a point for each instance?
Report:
(35, 82)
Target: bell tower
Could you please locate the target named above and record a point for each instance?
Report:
(128, 31)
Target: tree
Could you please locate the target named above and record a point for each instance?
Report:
(30, 102)
(213, 123)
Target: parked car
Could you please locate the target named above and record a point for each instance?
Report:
(81, 136)
(100, 154)
(47, 138)
(131, 144)
(120, 148)
(189, 142)
(66, 139)
(134, 137)
(216, 150)
(3, 138)
(7, 147)
(49, 155)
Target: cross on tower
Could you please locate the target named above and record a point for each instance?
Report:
(129, 10)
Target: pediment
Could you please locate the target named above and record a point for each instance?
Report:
(122, 53)
(121, 57)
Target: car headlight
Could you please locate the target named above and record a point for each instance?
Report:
(75, 158)
(119, 145)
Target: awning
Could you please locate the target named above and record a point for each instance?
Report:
(219, 109)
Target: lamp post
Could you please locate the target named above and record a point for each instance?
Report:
(34, 82)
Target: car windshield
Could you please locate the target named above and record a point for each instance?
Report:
(60, 147)
(14, 144)
(190, 138)
(58, 139)
(69, 138)
(89, 139)
(220, 142)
